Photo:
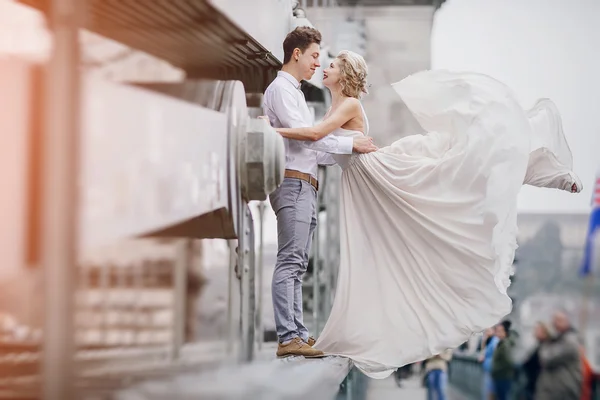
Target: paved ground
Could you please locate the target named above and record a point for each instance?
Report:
(411, 389)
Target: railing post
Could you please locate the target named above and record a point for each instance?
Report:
(315, 273)
(466, 374)
(246, 265)
(180, 268)
(60, 202)
(232, 328)
(260, 270)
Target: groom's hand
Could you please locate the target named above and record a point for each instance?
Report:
(364, 144)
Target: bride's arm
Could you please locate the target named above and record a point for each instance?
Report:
(349, 109)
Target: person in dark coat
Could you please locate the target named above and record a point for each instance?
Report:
(503, 365)
(561, 377)
(532, 366)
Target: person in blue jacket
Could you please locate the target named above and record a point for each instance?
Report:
(488, 345)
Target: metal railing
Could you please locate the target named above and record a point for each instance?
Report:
(317, 3)
(354, 387)
(466, 375)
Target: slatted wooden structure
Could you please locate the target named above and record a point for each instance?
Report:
(189, 34)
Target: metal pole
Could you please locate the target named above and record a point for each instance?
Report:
(248, 285)
(315, 274)
(315, 282)
(243, 271)
(180, 268)
(350, 387)
(231, 327)
(105, 271)
(261, 213)
(327, 262)
(60, 203)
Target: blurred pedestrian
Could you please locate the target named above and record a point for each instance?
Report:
(503, 366)
(561, 377)
(488, 345)
(436, 372)
(587, 376)
(532, 367)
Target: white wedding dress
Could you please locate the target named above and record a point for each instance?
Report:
(429, 223)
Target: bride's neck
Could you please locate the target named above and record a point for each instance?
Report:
(336, 97)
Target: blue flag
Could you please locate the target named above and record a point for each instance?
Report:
(593, 230)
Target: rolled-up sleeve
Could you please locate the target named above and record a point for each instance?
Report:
(331, 144)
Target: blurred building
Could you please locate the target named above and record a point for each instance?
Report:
(547, 278)
(395, 42)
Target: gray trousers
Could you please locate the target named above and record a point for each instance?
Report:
(294, 203)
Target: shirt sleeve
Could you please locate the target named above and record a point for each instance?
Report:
(325, 159)
(331, 144)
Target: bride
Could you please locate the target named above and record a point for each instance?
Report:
(429, 223)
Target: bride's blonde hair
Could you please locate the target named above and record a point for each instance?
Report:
(353, 79)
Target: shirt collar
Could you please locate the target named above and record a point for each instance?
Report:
(290, 78)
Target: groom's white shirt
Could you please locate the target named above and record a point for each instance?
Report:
(286, 107)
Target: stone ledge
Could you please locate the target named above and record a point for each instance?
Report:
(289, 379)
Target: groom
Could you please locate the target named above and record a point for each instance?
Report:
(294, 202)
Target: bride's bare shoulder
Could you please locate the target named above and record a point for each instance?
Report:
(351, 105)
(348, 106)
(352, 102)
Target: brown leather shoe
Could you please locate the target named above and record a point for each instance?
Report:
(311, 341)
(298, 348)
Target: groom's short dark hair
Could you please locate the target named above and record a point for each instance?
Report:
(301, 37)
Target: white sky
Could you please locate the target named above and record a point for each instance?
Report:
(540, 48)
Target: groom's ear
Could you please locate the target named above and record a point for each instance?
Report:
(296, 54)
